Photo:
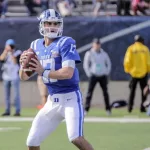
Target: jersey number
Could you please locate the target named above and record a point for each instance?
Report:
(48, 63)
(72, 49)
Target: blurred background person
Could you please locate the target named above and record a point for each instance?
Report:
(65, 7)
(43, 91)
(10, 59)
(147, 88)
(137, 64)
(141, 6)
(146, 93)
(100, 5)
(44, 4)
(3, 8)
(123, 5)
(30, 4)
(97, 66)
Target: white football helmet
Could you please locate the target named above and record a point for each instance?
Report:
(51, 16)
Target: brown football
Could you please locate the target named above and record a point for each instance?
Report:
(30, 54)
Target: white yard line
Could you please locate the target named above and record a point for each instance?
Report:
(87, 119)
(3, 129)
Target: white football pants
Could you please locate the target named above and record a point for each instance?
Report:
(66, 106)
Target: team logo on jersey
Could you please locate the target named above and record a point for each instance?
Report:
(54, 54)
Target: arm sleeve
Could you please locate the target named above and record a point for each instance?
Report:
(86, 64)
(108, 63)
(128, 61)
(68, 51)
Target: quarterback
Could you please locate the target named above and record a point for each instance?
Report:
(56, 63)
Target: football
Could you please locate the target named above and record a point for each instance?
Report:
(30, 54)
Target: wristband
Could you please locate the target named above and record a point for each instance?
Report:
(46, 73)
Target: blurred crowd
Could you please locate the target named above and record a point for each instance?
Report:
(98, 7)
(124, 7)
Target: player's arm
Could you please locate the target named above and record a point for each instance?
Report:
(66, 72)
(22, 74)
(61, 74)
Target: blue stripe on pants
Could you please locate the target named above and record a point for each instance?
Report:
(80, 113)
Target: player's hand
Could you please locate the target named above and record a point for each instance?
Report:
(23, 58)
(36, 66)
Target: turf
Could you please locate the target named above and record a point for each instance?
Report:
(103, 136)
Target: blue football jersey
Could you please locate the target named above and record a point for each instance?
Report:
(52, 57)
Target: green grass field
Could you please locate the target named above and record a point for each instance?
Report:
(96, 112)
(103, 136)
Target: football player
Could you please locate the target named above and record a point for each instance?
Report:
(57, 57)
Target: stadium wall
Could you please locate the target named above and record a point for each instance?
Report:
(116, 34)
(118, 90)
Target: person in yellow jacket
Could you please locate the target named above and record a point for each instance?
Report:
(137, 64)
